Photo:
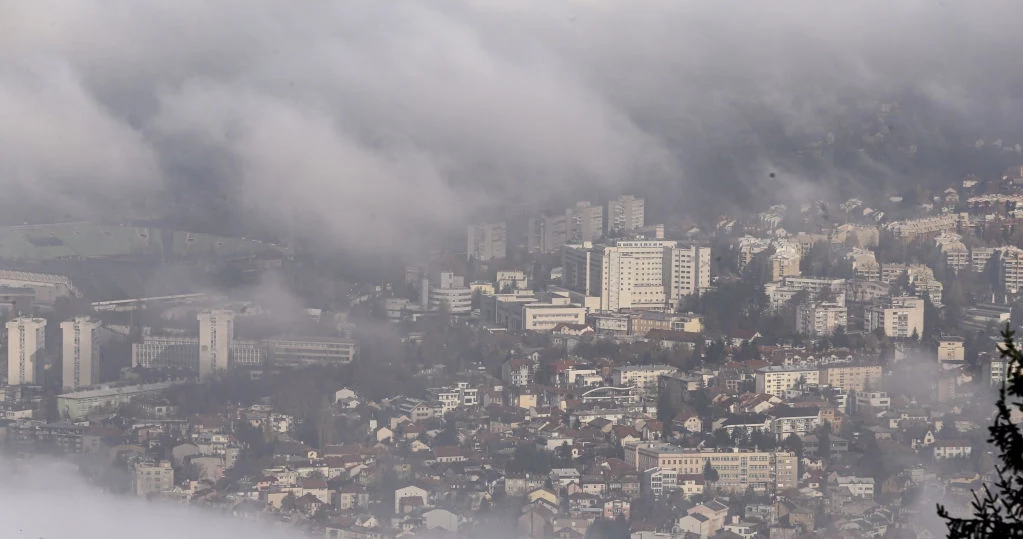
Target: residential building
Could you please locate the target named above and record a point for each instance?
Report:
(951, 348)
(310, 351)
(547, 316)
(952, 449)
(747, 247)
(860, 487)
(452, 398)
(820, 319)
(901, 317)
(625, 214)
(851, 376)
(1011, 270)
(26, 341)
(784, 262)
(636, 274)
(776, 380)
(509, 281)
(448, 291)
(686, 272)
(585, 222)
(737, 469)
(957, 255)
(925, 226)
(548, 231)
(77, 404)
(519, 371)
(487, 241)
(152, 478)
(81, 355)
(643, 377)
(216, 333)
(162, 352)
(786, 420)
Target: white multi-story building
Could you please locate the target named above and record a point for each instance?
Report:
(216, 334)
(26, 340)
(625, 213)
(580, 223)
(776, 380)
(81, 353)
(952, 449)
(585, 222)
(935, 225)
(487, 241)
(957, 255)
(76, 404)
(449, 291)
(687, 272)
(902, 317)
(784, 262)
(979, 257)
(510, 280)
(548, 315)
(643, 377)
(161, 352)
(737, 470)
(861, 487)
(451, 398)
(636, 274)
(1012, 269)
(820, 319)
(747, 247)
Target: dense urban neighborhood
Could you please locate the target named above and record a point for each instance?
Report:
(827, 370)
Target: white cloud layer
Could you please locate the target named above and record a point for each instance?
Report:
(377, 118)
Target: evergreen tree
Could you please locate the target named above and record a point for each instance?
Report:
(998, 511)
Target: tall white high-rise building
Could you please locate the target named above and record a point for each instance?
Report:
(901, 317)
(585, 222)
(81, 358)
(636, 274)
(487, 241)
(550, 230)
(26, 341)
(686, 272)
(216, 333)
(626, 213)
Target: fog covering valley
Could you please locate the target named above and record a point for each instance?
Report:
(355, 121)
(306, 166)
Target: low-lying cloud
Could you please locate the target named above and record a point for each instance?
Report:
(45, 499)
(377, 120)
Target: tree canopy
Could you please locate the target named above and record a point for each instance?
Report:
(998, 507)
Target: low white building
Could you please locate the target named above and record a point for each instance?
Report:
(951, 449)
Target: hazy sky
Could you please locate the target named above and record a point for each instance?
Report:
(375, 118)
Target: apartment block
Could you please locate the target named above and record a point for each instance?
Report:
(901, 317)
(636, 274)
(821, 319)
(851, 377)
(487, 241)
(737, 470)
(216, 334)
(80, 360)
(643, 377)
(26, 341)
(776, 380)
(625, 214)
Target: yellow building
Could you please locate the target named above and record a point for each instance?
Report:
(851, 377)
